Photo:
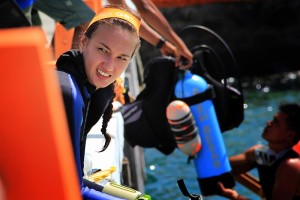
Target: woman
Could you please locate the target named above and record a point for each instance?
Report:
(87, 78)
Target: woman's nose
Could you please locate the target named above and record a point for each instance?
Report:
(109, 63)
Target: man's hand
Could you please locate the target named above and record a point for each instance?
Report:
(230, 193)
(169, 49)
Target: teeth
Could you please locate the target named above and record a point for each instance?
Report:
(102, 73)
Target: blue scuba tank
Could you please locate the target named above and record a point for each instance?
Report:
(211, 162)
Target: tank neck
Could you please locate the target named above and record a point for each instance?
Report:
(183, 74)
(188, 74)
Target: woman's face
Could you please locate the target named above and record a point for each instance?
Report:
(107, 53)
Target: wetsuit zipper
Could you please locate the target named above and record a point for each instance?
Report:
(85, 118)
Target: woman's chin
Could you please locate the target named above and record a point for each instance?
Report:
(102, 85)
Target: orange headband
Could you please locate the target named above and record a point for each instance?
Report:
(105, 13)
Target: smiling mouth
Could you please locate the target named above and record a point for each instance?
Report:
(102, 73)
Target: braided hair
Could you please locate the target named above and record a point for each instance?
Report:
(106, 118)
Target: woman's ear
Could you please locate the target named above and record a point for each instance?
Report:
(82, 43)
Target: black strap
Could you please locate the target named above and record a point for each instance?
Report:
(161, 43)
(92, 185)
(186, 193)
(209, 93)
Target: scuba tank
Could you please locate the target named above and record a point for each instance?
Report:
(184, 127)
(211, 162)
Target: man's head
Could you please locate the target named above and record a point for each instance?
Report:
(293, 118)
(284, 129)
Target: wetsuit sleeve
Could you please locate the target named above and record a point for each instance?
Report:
(73, 107)
(66, 90)
(73, 104)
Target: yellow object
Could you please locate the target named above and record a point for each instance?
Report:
(121, 191)
(119, 90)
(105, 13)
(98, 176)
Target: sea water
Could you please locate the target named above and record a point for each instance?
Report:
(164, 171)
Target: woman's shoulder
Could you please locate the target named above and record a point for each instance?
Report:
(68, 58)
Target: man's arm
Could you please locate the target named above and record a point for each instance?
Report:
(287, 180)
(146, 32)
(151, 14)
(240, 164)
(159, 27)
(243, 162)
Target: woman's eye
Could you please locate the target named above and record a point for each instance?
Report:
(123, 58)
(103, 50)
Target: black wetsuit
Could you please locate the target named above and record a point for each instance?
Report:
(267, 174)
(84, 106)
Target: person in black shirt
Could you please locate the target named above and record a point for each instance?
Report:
(278, 164)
